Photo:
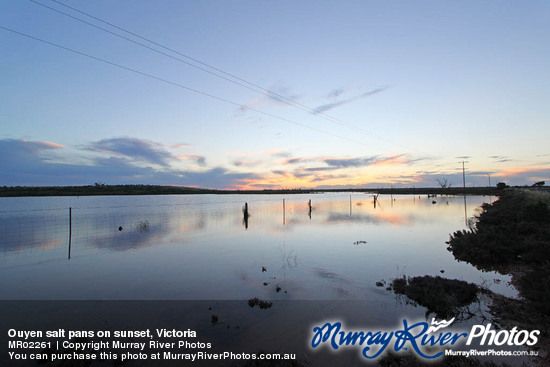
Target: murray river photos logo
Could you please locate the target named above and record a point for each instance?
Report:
(428, 341)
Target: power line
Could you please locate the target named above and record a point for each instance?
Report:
(237, 80)
(179, 85)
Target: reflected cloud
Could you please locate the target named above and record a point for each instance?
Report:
(391, 218)
(26, 233)
(329, 275)
(141, 235)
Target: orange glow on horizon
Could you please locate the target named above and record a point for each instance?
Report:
(518, 170)
(289, 181)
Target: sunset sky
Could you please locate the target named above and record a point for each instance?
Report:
(274, 94)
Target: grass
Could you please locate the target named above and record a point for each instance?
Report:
(514, 231)
(512, 236)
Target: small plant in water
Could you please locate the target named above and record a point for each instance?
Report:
(142, 226)
(258, 302)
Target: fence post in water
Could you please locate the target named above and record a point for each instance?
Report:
(309, 204)
(245, 215)
(70, 229)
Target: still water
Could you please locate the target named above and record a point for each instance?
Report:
(199, 247)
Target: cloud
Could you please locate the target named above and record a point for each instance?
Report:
(349, 162)
(320, 169)
(201, 160)
(329, 106)
(399, 159)
(523, 175)
(15, 151)
(134, 149)
(277, 95)
(336, 93)
(250, 163)
(280, 153)
(500, 159)
(395, 160)
(26, 163)
(292, 160)
(22, 147)
(182, 146)
(217, 178)
(512, 176)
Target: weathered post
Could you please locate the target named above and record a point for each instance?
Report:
(245, 215)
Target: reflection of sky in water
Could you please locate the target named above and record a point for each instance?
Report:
(198, 247)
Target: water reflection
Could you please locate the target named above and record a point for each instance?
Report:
(219, 244)
(119, 230)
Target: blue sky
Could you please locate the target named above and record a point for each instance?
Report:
(326, 94)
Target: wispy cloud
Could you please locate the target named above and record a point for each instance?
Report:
(329, 106)
(21, 146)
(320, 169)
(199, 159)
(376, 160)
(349, 162)
(500, 159)
(34, 153)
(276, 95)
(182, 146)
(134, 149)
(336, 93)
(395, 160)
(292, 160)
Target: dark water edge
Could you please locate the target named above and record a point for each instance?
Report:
(101, 189)
(510, 236)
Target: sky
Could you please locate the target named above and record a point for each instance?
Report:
(274, 94)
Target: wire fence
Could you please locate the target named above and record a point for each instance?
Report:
(56, 232)
(120, 227)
